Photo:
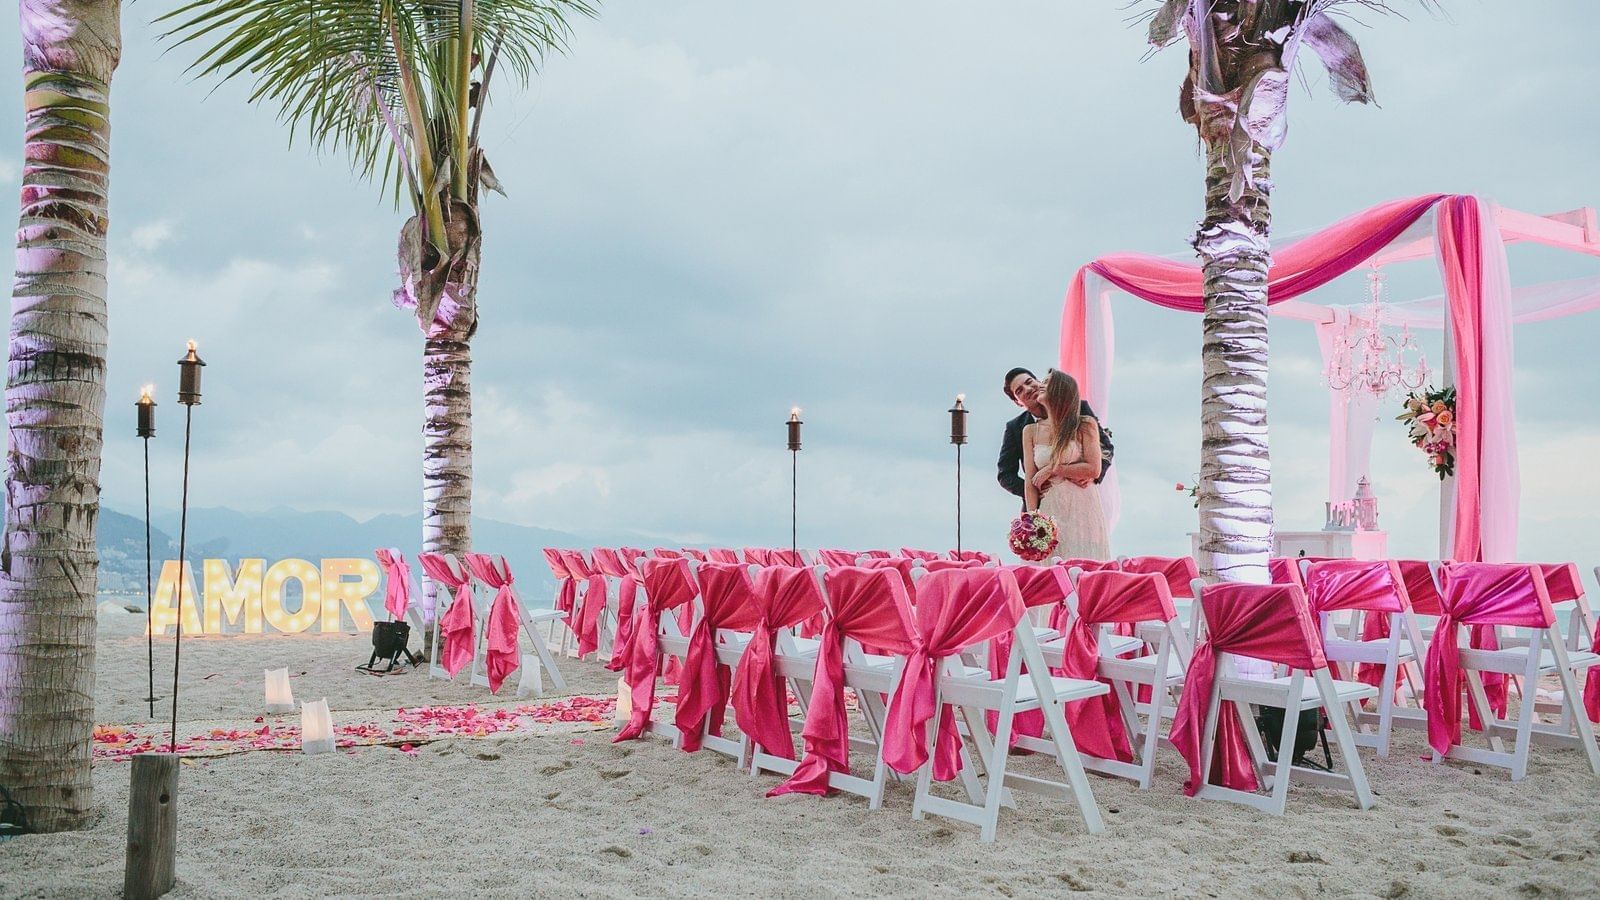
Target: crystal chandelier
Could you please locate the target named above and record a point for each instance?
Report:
(1366, 359)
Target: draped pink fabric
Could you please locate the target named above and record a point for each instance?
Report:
(727, 599)
(455, 627)
(758, 556)
(784, 596)
(1270, 622)
(1563, 585)
(666, 553)
(834, 559)
(1461, 260)
(567, 599)
(955, 609)
(939, 565)
(1423, 594)
(1303, 266)
(876, 554)
(1179, 571)
(592, 604)
(696, 555)
(1041, 586)
(972, 556)
(1107, 598)
(722, 555)
(503, 655)
(611, 564)
(866, 605)
(396, 583)
(668, 584)
(1481, 594)
(1375, 587)
(924, 555)
(901, 564)
(1285, 570)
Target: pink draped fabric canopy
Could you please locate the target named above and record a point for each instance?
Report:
(1468, 238)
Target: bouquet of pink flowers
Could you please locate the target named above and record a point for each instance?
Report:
(1430, 418)
(1034, 536)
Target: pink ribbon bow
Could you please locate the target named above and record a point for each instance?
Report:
(727, 602)
(668, 585)
(784, 596)
(866, 605)
(1107, 598)
(456, 626)
(1179, 571)
(955, 609)
(503, 655)
(1046, 586)
(593, 603)
(396, 583)
(1267, 622)
(619, 565)
(1484, 595)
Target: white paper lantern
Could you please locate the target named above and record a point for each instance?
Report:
(280, 697)
(316, 727)
(624, 701)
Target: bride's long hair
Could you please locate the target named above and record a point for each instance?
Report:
(1063, 404)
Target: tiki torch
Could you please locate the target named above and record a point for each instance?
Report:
(189, 395)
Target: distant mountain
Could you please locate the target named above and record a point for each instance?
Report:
(221, 533)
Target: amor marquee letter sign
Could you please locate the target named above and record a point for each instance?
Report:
(290, 596)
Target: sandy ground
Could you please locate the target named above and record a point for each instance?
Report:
(566, 812)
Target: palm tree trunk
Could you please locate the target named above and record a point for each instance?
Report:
(1235, 469)
(447, 442)
(55, 397)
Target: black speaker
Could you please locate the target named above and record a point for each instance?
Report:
(389, 641)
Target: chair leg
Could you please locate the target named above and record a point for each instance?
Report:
(1386, 704)
(1486, 715)
(1000, 748)
(1572, 699)
(1345, 739)
(1152, 735)
(1071, 763)
(1291, 727)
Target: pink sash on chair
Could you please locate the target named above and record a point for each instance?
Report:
(784, 597)
(1563, 585)
(455, 627)
(1375, 587)
(1107, 598)
(593, 603)
(977, 556)
(668, 585)
(1285, 570)
(567, 601)
(1268, 622)
(939, 565)
(396, 583)
(727, 599)
(955, 609)
(504, 655)
(1425, 600)
(901, 564)
(610, 564)
(1087, 565)
(876, 554)
(865, 605)
(1179, 571)
(722, 555)
(1046, 586)
(924, 555)
(835, 559)
(758, 556)
(1482, 594)
(696, 555)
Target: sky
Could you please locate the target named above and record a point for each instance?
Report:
(721, 210)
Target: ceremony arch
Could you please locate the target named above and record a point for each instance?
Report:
(1477, 311)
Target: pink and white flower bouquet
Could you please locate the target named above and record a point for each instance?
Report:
(1034, 536)
(1430, 417)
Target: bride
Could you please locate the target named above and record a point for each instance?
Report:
(1061, 458)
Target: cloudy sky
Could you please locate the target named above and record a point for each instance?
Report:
(721, 210)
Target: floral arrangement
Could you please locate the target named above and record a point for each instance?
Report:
(1034, 536)
(1192, 490)
(1430, 417)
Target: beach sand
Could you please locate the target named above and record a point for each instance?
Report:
(560, 810)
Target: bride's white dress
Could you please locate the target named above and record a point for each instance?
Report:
(1076, 510)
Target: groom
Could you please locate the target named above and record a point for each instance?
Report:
(1023, 389)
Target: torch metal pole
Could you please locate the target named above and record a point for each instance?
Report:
(149, 589)
(183, 534)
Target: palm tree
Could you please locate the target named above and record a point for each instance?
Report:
(1242, 55)
(401, 86)
(55, 396)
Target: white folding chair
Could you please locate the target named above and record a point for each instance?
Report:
(1292, 693)
(1544, 653)
(973, 694)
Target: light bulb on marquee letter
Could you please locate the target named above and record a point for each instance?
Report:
(272, 605)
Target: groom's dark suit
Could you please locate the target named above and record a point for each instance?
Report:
(1011, 467)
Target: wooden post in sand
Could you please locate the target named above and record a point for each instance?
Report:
(152, 826)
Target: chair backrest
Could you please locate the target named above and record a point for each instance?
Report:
(1421, 588)
(1367, 585)
(1041, 585)
(668, 582)
(1497, 594)
(696, 555)
(608, 563)
(793, 558)
(1124, 598)
(958, 608)
(1561, 581)
(722, 555)
(577, 565)
(785, 596)
(1088, 565)
(1285, 570)
(875, 554)
(727, 597)
(1179, 571)
(972, 555)
(833, 559)
(757, 556)
(924, 555)
(1271, 622)
(667, 553)
(939, 565)
(557, 563)
(871, 606)
(904, 565)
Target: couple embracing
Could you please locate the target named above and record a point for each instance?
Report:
(1063, 455)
